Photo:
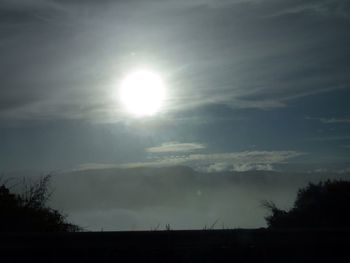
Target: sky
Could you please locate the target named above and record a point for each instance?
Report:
(251, 85)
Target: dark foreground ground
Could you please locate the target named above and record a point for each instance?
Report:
(259, 245)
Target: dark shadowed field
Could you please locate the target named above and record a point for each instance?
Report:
(259, 245)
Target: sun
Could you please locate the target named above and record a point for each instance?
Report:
(142, 93)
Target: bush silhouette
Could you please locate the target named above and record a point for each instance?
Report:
(27, 212)
(322, 205)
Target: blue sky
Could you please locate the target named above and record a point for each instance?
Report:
(252, 85)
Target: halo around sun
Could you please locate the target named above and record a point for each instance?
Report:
(142, 93)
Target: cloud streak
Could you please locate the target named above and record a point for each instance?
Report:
(330, 138)
(331, 120)
(232, 161)
(169, 147)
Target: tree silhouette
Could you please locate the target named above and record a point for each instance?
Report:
(322, 205)
(28, 212)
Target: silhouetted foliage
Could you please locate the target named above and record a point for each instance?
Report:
(322, 205)
(28, 212)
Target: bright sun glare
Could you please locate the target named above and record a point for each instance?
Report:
(142, 93)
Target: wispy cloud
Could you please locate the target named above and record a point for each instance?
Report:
(330, 138)
(265, 73)
(95, 166)
(239, 161)
(331, 120)
(176, 147)
(336, 8)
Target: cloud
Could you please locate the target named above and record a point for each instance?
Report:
(253, 167)
(330, 138)
(17, 12)
(176, 147)
(337, 8)
(331, 120)
(240, 167)
(240, 161)
(258, 104)
(94, 166)
(218, 167)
